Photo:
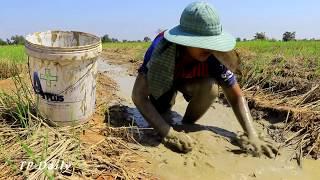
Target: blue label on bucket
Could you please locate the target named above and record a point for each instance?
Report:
(45, 95)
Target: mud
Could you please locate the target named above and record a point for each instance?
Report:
(215, 154)
(178, 141)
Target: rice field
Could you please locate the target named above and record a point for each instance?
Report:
(16, 53)
(13, 54)
(257, 55)
(291, 49)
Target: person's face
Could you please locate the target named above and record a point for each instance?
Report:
(198, 53)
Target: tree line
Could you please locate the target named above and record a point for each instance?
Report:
(19, 40)
(14, 40)
(106, 39)
(287, 36)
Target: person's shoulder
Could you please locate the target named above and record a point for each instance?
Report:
(158, 38)
(160, 35)
(213, 61)
(221, 73)
(143, 68)
(216, 66)
(154, 43)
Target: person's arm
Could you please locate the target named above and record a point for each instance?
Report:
(177, 141)
(240, 107)
(141, 100)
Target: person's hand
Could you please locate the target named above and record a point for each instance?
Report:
(178, 141)
(257, 146)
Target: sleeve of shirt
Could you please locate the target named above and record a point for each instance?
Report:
(222, 74)
(143, 68)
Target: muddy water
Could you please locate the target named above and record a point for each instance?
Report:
(213, 156)
(125, 83)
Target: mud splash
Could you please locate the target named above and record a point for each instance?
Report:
(214, 156)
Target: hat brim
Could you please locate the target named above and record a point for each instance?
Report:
(224, 42)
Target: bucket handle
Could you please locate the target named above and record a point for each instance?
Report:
(71, 86)
(79, 80)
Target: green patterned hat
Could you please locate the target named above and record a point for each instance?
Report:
(200, 27)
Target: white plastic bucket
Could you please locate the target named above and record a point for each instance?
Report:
(63, 69)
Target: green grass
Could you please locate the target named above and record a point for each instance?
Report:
(13, 53)
(16, 54)
(12, 60)
(288, 49)
(264, 51)
(138, 48)
(18, 105)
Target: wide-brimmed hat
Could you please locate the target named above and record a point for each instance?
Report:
(200, 27)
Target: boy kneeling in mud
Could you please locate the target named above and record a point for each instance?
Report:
(192, 58)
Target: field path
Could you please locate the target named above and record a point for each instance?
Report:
(214, 156)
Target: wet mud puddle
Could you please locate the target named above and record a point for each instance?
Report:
(213, 156)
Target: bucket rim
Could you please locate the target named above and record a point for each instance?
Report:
(97, 41)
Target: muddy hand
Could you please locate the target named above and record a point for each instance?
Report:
(178, 141)
(257, 146)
